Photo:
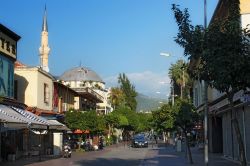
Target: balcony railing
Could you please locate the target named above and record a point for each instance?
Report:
(89, 91)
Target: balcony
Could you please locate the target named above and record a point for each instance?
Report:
(89, 94)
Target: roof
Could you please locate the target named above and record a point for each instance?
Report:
(45, 25)
(9, 32)
(80, 74)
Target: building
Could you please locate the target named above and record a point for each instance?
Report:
(63, 98)
(221, 136)
(90, 87)
(8, 55)
(8, 45)
(44, 49)
(35, 87)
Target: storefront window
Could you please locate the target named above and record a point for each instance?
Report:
(6, 77)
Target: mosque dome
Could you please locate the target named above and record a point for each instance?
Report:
(80, 74)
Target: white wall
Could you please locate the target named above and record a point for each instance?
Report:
(57, 143)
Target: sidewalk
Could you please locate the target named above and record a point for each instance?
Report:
(214, 159)
(35, 159)
(162, 155)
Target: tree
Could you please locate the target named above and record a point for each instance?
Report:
(116, 97)
(130, 115)
(163, 119)
(85, 121)
(178, 73)
(181, 115)
(222, 53)
(128, 90)
(111, 120)
(74, 120)
(144, 120)
(185, 117)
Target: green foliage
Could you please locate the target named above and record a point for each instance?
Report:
(163, 119)
(184, 114)
(143, 122)
(112, 119)
(123, 121)
(221, 54)
(131, 116)
(111, 140)
(178, 73)
(128, 90)
(74, 120)
(85, 121)
(116, 97)
(221, 51)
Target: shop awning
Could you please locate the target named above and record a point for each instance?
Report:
(14, 117)
(78, 131)
(35, 122)
(10, 121)
(21, 121)
(54, 124)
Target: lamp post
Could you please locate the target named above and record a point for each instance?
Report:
(205, 100)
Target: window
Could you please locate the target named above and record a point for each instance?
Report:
(13, 49)
(8, 46)
(2, 42)
(46, 93)
(15, 89)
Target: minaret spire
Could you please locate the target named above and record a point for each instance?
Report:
(45, 25)
(44, 48)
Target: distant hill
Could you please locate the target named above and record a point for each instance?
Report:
(146, 103)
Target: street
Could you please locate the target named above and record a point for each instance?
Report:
(120, 155)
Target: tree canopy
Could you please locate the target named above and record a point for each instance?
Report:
(128, 90)
(221, 55)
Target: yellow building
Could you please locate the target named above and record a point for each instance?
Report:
(34, 87)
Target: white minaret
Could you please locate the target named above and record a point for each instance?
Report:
(44, 48)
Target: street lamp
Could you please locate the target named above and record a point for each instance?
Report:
(205, 100)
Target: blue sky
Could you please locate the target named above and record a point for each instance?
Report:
(107, 36)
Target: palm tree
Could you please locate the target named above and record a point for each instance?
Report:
(116, 97)
(178, 73)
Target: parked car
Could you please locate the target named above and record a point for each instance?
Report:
(139, 141)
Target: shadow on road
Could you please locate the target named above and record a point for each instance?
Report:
(108, 162)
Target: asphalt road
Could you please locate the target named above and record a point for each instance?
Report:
(111, 156)
(126, 156)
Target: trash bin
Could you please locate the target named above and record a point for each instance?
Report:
(178, 146)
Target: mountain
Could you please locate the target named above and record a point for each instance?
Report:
(146, 103)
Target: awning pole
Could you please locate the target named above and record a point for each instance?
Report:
(40, 149)
(0, 141)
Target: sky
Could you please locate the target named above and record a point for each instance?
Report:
(106, 36)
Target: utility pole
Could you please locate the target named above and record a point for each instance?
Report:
(205, 99)
(183, 79)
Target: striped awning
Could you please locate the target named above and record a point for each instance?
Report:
(8, 114)
(32, 117)
(25, 119)
(52, 124)
(10, 121)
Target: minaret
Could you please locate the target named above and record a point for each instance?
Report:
(44, 48)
